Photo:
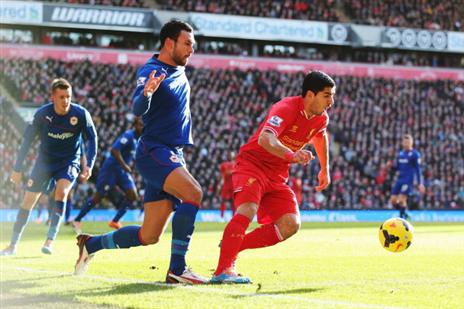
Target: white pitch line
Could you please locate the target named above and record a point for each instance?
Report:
(203, 289)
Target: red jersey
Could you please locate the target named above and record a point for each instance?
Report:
(287, 120)
(226, 169)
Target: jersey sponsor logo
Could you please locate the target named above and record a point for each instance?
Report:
(49, 118)
(141, 81)
(73, 120)
(61, 136)
(30, 182)
(275, 121)
(403, 160)
(174, 159)
(291, 143)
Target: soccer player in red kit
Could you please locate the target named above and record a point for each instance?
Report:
(227, 189)
(261, 172)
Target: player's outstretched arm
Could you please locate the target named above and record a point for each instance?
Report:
(269, 141)
(321, 144)
(145, 89)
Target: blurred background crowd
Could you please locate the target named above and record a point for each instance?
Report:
(367, 122)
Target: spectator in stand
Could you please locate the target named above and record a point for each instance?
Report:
(225, 184)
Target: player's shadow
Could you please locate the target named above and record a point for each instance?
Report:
(32, 257)
(131, 288)
(22, 283)
(281, 292)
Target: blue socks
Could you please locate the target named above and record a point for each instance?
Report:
(182, 229)
(123, 238)
(21, 220)
(122, 210)
(55, 219)
(85, 210)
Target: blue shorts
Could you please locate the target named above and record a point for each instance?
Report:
(114, 176)
(155, 162)
(44, 177)
(402, 187)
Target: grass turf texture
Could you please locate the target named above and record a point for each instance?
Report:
(326, 265)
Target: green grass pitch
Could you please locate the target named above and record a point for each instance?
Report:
(324, 266)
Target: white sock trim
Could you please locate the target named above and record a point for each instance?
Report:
(278, 232)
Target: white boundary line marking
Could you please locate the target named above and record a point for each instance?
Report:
(203, 289)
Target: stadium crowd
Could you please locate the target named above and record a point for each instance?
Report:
(125, 3)
(367, 122)
(289, 9)
(436, 14)
(430, 14)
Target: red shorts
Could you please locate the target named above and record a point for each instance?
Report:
(274, 199)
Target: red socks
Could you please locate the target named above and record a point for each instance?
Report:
(232, 239)
(264, 236)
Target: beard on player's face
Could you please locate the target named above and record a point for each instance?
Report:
(179, 57)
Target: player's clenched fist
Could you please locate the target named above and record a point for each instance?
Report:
(300, 156)
(153, 83)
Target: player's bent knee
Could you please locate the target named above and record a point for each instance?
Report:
(288, 226)
(150, 240)
(247, 209)
(131, 196)
(195, 195)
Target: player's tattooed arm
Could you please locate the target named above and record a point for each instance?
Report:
(269, 141)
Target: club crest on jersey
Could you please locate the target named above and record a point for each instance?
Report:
(310, 134)
(174, 159)
(30, 182)
(294, 128)
(73, 120)
(275, 121)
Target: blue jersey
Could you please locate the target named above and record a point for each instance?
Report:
(408, 166)
(166, 115)
(60, 137)
(125, 144)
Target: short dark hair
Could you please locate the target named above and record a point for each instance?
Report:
(60, 83)
(408, 136)
(316, 81)
(172, 30)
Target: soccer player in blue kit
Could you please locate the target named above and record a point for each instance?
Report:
(408, 167)
(116, 172)
(161, 97)
(61, 127)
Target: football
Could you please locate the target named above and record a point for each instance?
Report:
(396, 234)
